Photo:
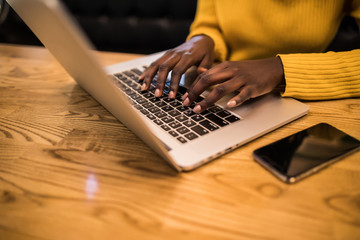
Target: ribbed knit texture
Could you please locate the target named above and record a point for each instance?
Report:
(296, 30)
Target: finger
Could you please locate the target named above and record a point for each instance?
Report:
(163, 73)
(206, 62)
(217, 93)
(202, 71)
(148, 75)
(244, 95)
(180, 68)
(204, 81)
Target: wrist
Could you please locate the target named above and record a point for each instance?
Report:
(282, 83)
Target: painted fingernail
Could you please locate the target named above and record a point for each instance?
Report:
(231, 104)
(157, 93)
(185, 96)
(171, 94)
(197, 109)
(186, 102)
(143, 87)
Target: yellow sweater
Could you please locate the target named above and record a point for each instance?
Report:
(298, 31)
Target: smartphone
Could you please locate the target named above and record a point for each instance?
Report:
(306, 152)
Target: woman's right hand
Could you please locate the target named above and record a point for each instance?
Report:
(199, 51)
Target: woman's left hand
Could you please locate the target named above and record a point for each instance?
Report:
(250, 78)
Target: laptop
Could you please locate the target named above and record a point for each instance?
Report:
(184, 139)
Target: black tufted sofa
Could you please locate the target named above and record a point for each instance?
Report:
(142, 26)
(138, 26)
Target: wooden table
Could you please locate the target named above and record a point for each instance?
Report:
(70, 170)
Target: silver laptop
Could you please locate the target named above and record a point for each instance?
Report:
(186, 140)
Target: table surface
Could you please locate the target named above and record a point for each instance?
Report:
(70, 170)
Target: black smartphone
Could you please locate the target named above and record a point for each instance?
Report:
(306, 152)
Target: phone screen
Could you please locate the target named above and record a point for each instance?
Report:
(307, 151)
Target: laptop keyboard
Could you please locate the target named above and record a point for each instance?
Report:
(169, 114)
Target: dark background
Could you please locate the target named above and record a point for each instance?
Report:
(136, 26)
(141, 26)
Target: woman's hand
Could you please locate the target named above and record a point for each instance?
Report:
(198, 51)
(250, 78)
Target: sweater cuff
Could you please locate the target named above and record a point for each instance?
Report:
(320, 76)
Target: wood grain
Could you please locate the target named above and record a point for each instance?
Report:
(70, 170)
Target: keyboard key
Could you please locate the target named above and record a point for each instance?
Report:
(133, 84)
(203, 113)
(199, 130)
(129, 92)
(174, 113)
(167, 108)
(209, 125)
(153, 109)
(189, 113)
(191, 136)
(137, 71)
(138, 107)
(165, 127)
(154, 99)
(136, 96)
(141, 100)
(175, 124)
(129, 74)
(182, 130)
(219, 121)
(197, 118)
(137, 88)
(167, 119)
(147, 105)
(118, 75)
(215, 109)
(182, 118)
(232, 118)
(181, 139)
(143, 111)
(223, 113)
(158, 122)
(189, 123)
(160, 104)
(173, 133)
(182, 108)
(175, 103)
(168, 100)
(160, 114)
(147, 94)
(150, 116)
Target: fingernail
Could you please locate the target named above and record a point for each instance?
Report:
(171, 94)
(185, 96)
(231, 104)
(197, 109)
(186, 102)
(202, 69)
(143, 87)
(157, 93)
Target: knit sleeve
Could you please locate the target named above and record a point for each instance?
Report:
(206, 23)
(320, 76)
(355, 11)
